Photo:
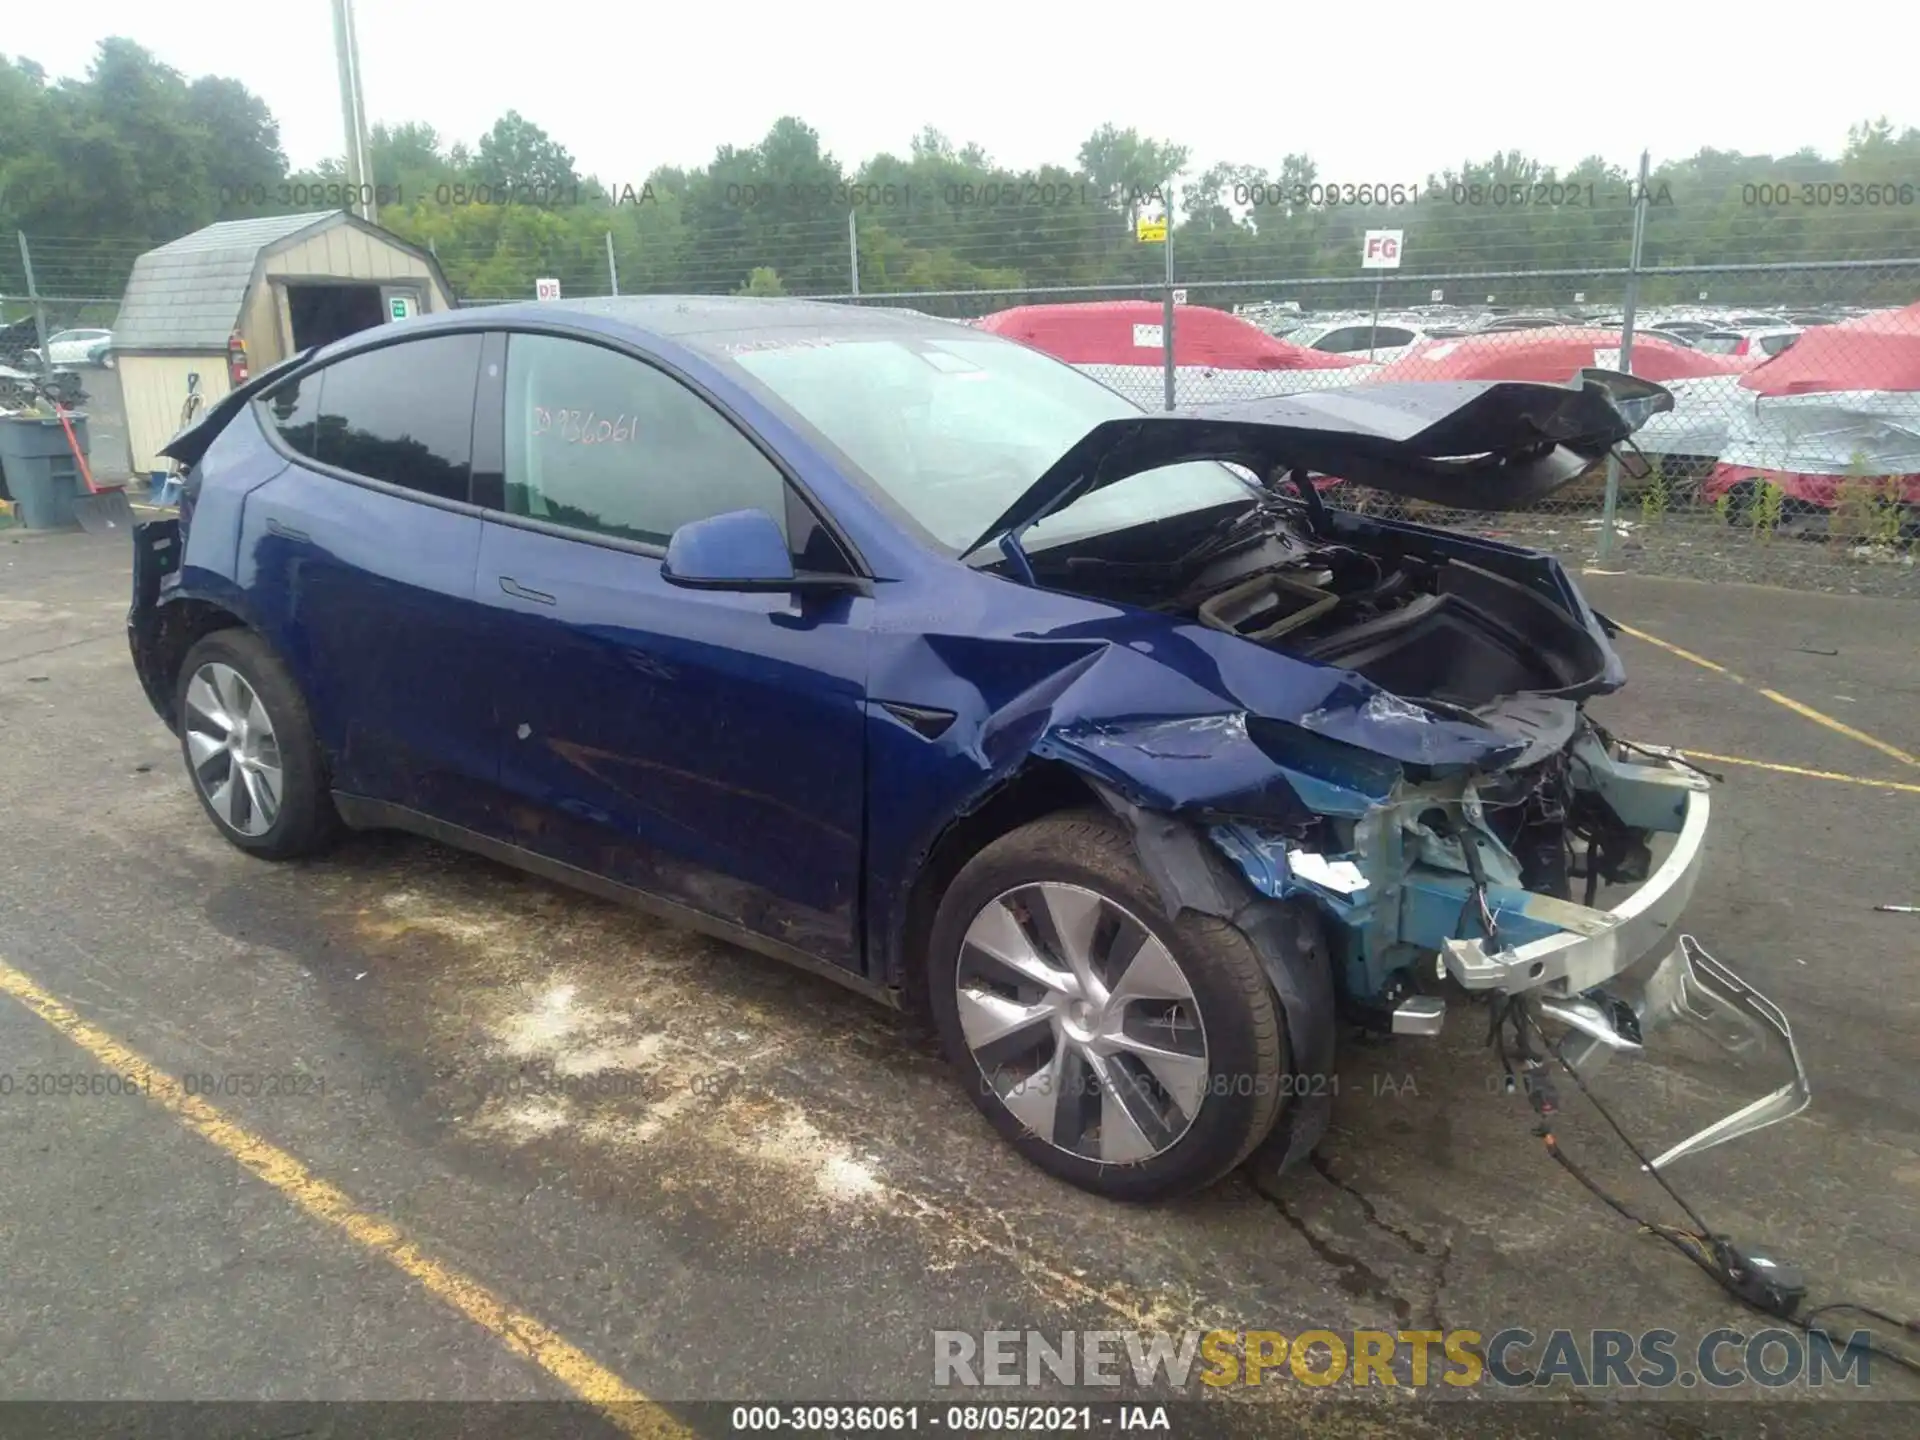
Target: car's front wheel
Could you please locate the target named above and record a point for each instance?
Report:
(250, 748)
(1131, 1055)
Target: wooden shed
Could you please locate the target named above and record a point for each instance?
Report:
(278, 284)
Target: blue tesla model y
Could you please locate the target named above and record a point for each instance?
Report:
(915, 657)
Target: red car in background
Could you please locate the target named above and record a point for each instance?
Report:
(1841, 405)
(1555, 356)
(1216, 356)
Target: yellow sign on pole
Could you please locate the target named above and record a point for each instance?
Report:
(1151, 229)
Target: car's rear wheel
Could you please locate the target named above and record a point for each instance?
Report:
(1741, 501)
(250, 749)
(1127, 1054)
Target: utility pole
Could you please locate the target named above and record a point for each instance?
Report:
(1610, 506)
(1166, 311)
(39, 310)
(353, 109)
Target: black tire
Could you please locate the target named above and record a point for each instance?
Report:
(306, 821)
(1741, 500)
(1245, 1033)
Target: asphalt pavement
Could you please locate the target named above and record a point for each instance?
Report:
(430, 1129)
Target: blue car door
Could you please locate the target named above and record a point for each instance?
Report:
(703, 746)
(359, 558)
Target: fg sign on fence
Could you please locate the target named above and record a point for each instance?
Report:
(546, 289)
(1381, 250)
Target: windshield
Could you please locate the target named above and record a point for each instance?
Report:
(954, 430)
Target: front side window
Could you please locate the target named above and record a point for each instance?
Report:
(599, 441)
(1341, 341)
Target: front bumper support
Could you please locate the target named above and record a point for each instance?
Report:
(1691, 988)
(1596, 945)
(1610, 977)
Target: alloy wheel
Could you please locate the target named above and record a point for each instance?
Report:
(231, 749)
(1082, 1022)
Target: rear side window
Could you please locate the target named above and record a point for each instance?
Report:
(1339, 342)
(1355, 338)
(291, 408)
(598, 441)
(402, 414)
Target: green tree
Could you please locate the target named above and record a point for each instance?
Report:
(778, 204)
(238, 141)
(519, 154)
(1127, 165)
(28, 173)
(408, 159)
(132, 154)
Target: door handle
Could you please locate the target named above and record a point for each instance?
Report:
(287, 532)
(520, 592)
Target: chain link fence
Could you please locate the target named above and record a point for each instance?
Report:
(1791, 455)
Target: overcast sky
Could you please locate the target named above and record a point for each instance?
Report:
(1373, 91)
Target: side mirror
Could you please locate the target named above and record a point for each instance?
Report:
(740, 550)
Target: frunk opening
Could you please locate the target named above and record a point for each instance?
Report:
(1395, 604)
(1477, 637)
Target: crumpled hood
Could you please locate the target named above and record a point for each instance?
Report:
(1476, 444)
(1169, 715)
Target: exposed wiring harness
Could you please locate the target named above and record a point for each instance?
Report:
(1610, 740)
(1751, 1278)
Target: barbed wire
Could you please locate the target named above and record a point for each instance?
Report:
(705, 243)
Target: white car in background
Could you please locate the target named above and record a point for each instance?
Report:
(77, 347)
(1387, 341)
(1768, 342)
(1687, 330)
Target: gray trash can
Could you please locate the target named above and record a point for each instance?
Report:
(37, 471)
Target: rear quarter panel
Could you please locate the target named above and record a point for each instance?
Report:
(238, 462)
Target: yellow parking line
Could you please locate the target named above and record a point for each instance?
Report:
(520, 1332)
(1798, 708)
(1673, 649)
(1801, 771)
(1834, 725)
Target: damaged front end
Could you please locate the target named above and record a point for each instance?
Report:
(1405, 754)
(1425, 892)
